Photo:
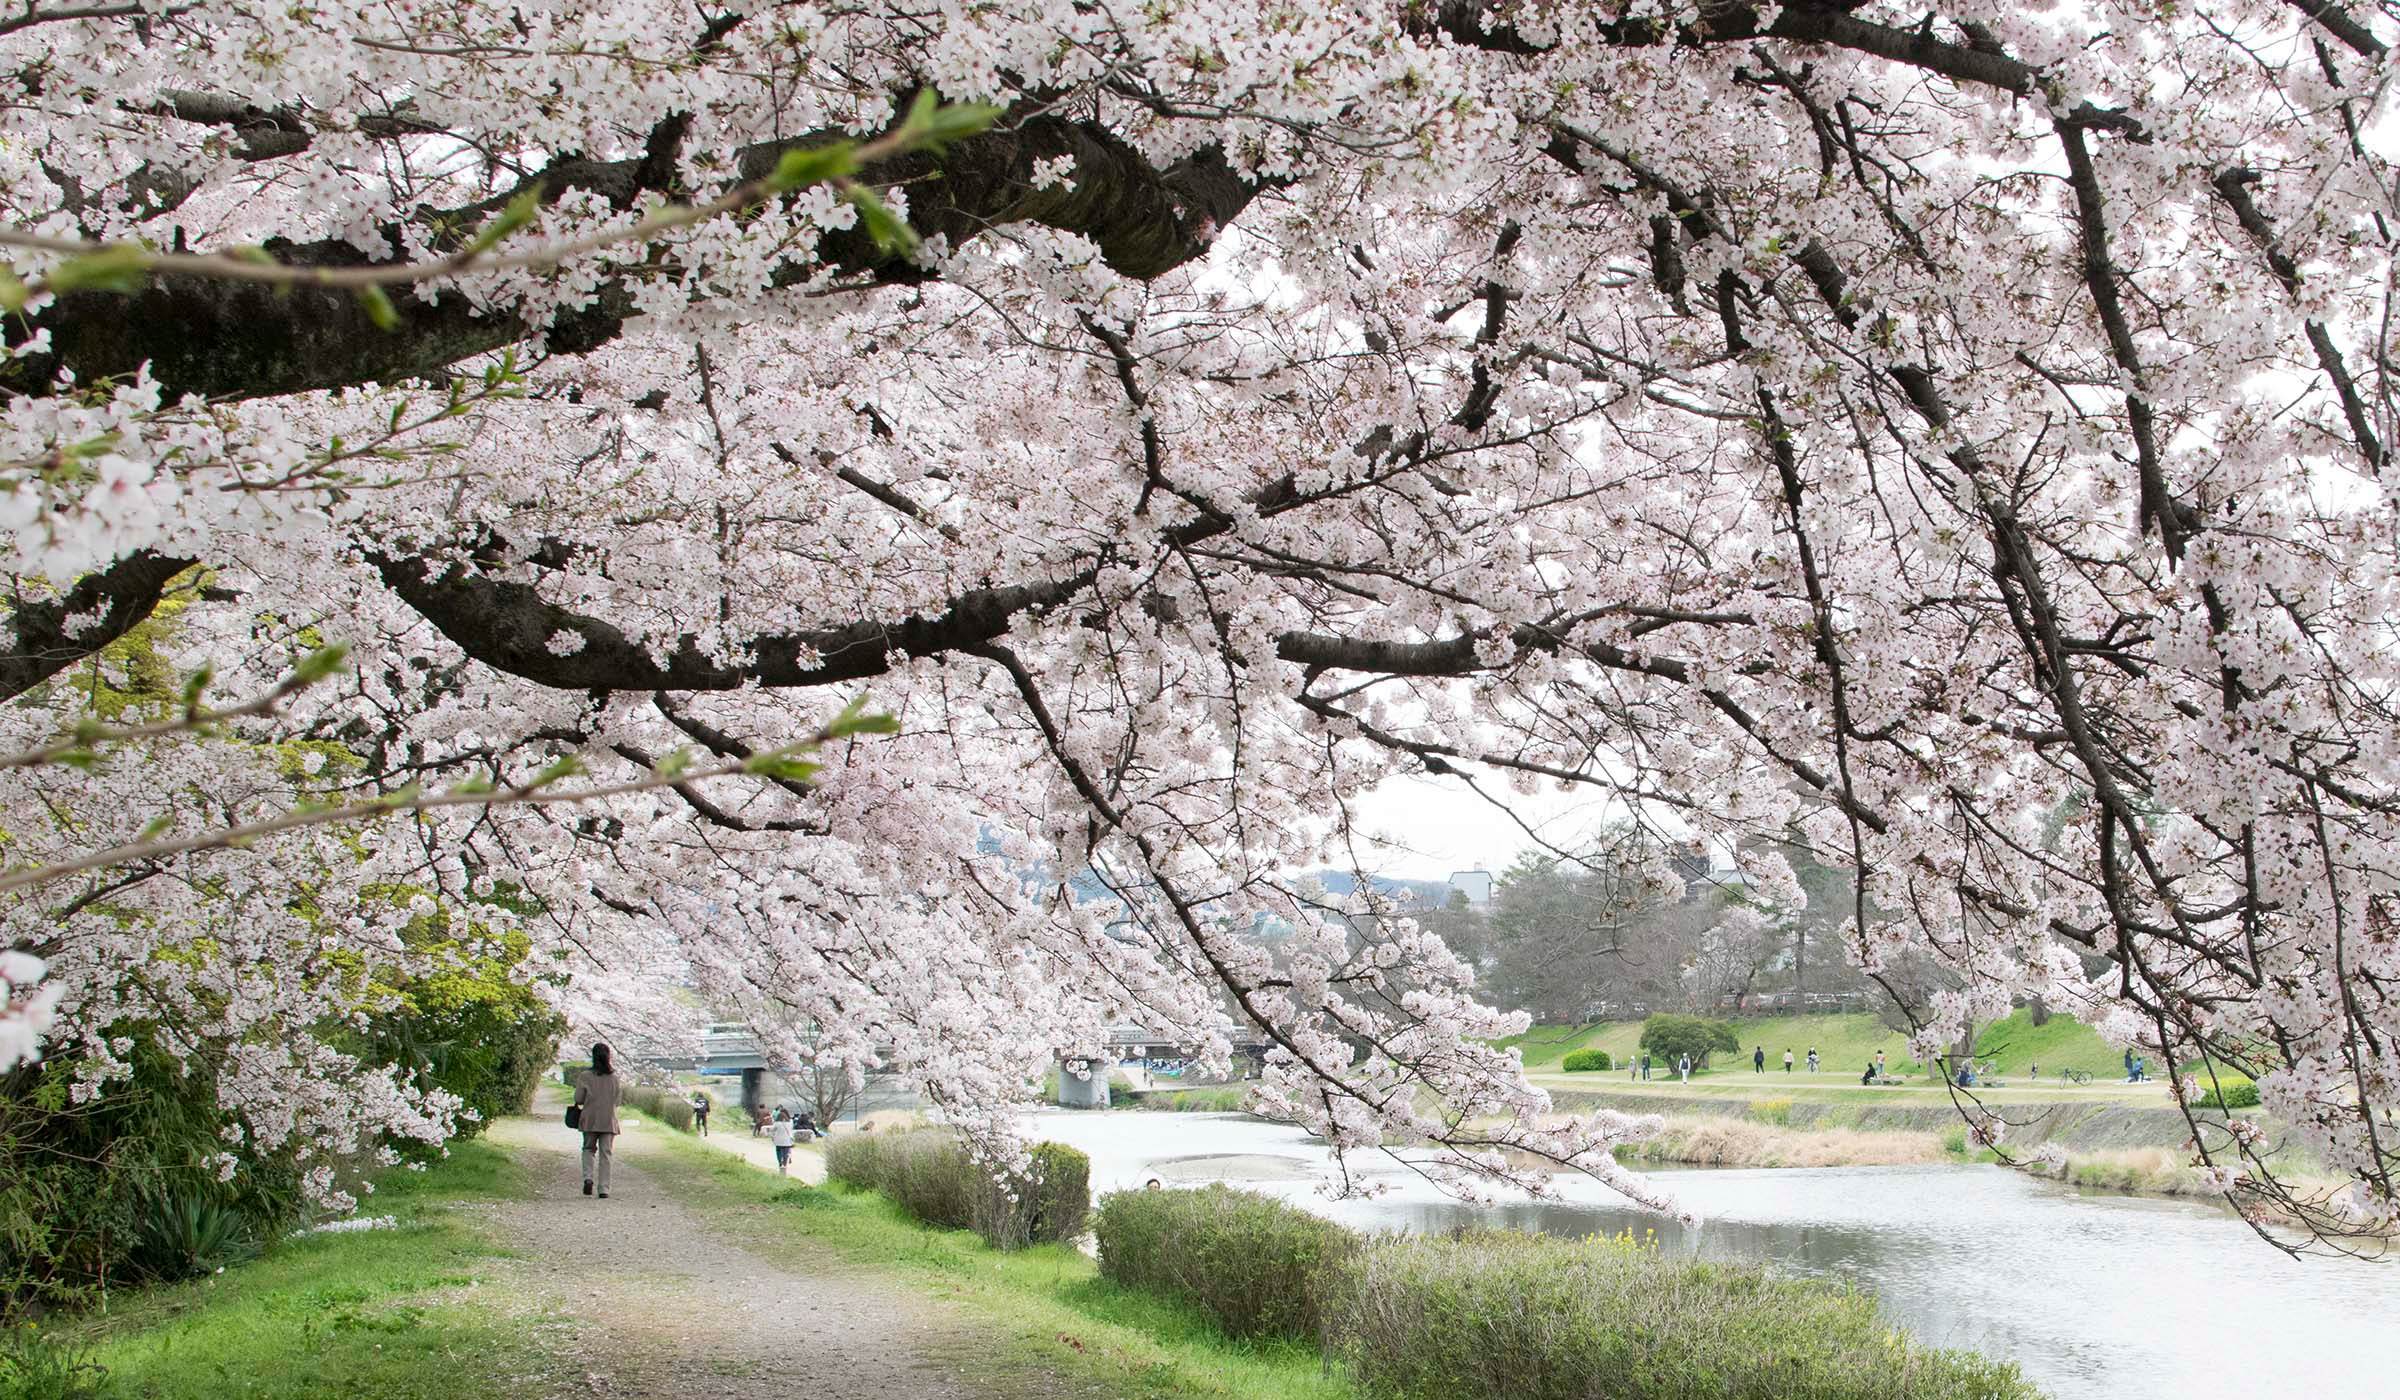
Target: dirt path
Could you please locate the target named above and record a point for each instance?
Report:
(665, 1307)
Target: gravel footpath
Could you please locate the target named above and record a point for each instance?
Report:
(660, 1305)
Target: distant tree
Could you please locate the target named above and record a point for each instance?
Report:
(1669, 1036)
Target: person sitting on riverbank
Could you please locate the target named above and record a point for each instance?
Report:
(1869, 1076)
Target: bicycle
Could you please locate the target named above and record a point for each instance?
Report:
(2076, 1076)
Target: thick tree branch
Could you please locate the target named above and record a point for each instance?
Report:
(45, 636)
(232, 340)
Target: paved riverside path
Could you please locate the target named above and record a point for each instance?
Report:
(663, 1304)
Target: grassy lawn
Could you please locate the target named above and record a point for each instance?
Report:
(1845, 1043)
(388, 1314)
(1058, 1329)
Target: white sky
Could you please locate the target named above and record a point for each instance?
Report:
(1436, 826)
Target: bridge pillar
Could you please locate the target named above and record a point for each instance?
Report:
(753, 1089)
(1082, 1083)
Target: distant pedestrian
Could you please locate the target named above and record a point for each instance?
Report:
(1812, 1059)
(1787, 1059)
(700, 1112)
(1683, 1066)
(2034, 1071)
(597, 1091)
(2129, 1064)
(1645, 1064)
(1758, 1059)
(781, 1135)
(1879, 1064)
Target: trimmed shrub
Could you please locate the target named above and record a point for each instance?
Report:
(2230, 1093)
(1500, 1315)
(931, 1175)
(1578, 1061)
(669, 1106)
(1255, 1265)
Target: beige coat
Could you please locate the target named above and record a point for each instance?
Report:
(598, 1093)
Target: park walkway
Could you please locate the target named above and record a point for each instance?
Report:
(664, 1303)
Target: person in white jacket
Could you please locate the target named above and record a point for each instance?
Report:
(781, 1133)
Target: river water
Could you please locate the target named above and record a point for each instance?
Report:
(2093, 1294)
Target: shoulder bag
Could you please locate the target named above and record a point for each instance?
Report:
(574, 1115)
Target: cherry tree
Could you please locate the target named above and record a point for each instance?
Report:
(1908, 422)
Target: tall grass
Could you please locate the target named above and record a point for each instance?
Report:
(1498, 1315)
(1710, 1140)
(1253, 1264)
(932, 1176)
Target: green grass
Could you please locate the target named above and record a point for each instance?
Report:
(1844, 1043)
(390, 1314)
(1050, 1321)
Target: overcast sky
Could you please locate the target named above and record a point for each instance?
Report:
(1438, 825)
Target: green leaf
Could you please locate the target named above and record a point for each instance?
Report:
(319, 664)
(13, 295)
(783, 765)
(563, 767)
(518, 214)
(380, 310)
(116, 268)
(676, 764)
(943, 125)
(154, 828)
(854, 719)
(476, 787)
(812, 166)
(882, 225)
(195, 685)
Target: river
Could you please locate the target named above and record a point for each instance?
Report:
(2094, 1294)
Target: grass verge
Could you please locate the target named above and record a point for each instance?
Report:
(394, 1314)
(1060, 1328)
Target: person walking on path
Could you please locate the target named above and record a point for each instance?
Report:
(782, 1134)
(1879, 1064)
(1758, 1059)
(597, 1091)
(1683, 1066)
(1812, 1059)
(700, 1111)
(1645, 1064)
(1787, 1059)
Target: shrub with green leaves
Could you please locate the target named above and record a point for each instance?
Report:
(124, 1187)
(2229, 1093)
(1253, 1264)
(1579, 1061)
(931, 1175)
(1500, 1315)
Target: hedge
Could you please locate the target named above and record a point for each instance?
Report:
(2230, 1093)
(1580, 1060)
(931, 1175)
(1500, 1315)
(1253, 1264)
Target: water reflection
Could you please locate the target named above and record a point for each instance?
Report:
(2095, 1295)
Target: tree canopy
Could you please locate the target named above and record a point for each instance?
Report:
(1898, 420)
